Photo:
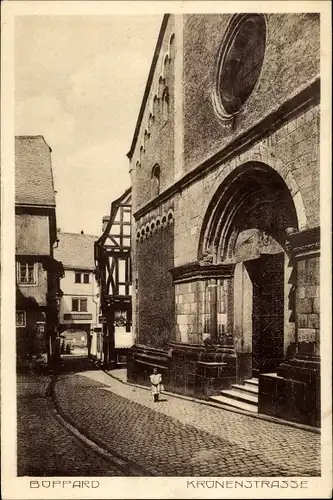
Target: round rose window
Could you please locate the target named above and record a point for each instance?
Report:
(241, 62)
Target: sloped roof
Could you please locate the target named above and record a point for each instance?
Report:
(33, 172)
(124, 199)
(76, 251)
(149, 83)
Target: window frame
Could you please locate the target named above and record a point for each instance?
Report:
(86, 276)
(85, 300)
(78, 304)
(76, 274)
(232, 32)
(24, 318)
(80, 300)
(27, 263)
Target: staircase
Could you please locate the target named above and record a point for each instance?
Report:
(243, 397)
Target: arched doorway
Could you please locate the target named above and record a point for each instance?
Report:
(75, 339)
(247, 225)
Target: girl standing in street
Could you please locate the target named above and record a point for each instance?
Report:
(156, 384)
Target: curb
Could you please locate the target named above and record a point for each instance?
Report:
(274, 420)
(95, 444)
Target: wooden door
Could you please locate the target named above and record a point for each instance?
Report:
(271, 311)
(267, 276)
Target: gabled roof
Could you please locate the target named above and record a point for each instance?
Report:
(33, 172)
(124, 199)
(148, 84)
(76, 251)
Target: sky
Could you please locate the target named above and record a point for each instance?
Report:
(79, 82)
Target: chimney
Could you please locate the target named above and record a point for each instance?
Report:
(105, 221)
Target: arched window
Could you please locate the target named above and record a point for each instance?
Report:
(155, 180)
(145, 139)
(155, 105)
(160, 85)
(150, 123)
(165, 105)
(166, 62)
(141, 154)
(172, 47)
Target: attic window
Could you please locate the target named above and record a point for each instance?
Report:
(241, 61)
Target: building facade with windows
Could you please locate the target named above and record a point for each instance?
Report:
(224, 165)
(114, 275)
(37, 272)
(79, 306)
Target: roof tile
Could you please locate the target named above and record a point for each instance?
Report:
(33, 171)
(76, 251)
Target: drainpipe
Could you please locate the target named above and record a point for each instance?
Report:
(96, 302)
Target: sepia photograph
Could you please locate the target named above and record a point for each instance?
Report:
(167, 229)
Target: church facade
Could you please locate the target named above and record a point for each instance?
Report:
(225, 169)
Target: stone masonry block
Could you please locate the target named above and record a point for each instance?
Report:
(316, 305)
(187, 308)
(312, 291)
(193, 307)
(291, 126)
(313, 321)
(301, 292)
(306, 335)
(300, 120)
(302, 320)
(182, 320)
(292, 184)
(304, 306)
(308, 115)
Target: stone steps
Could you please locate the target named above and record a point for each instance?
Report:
(229, 403)
(244, 397)
(248, 388)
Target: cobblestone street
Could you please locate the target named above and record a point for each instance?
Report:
(45, 447)
(177, 437)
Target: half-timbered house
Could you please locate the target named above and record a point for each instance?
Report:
(114, 276)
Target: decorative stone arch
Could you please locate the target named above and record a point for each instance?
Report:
(252, 210)
(265, 161)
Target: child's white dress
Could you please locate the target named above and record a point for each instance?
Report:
(156, 383)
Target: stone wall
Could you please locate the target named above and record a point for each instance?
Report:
(194, 302)
(291, 61)
(308, 304)
(155, 142)
(155, 297)
(292, 151)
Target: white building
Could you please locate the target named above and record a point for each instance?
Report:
(79, 307)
